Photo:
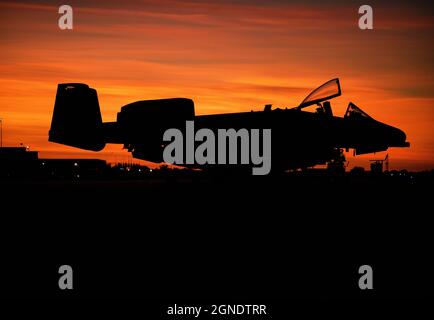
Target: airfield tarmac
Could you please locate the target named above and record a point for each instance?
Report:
(217, 239)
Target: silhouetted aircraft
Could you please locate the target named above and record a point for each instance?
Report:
(300, 138)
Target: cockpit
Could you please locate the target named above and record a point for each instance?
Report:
(325, 92)
(354, 112)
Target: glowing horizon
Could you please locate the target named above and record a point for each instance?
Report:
(226, 56)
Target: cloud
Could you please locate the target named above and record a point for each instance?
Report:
(227, 55)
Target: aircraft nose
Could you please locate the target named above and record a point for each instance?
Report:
(397, 138)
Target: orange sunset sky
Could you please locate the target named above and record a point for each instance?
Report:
(228, 56)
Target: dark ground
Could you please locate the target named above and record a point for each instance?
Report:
(204, 240)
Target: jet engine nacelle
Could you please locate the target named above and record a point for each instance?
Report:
(142, 124)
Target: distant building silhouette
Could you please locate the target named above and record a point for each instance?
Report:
(17, 161)
(73, 168)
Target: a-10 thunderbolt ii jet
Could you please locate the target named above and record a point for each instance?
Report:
(300, 138)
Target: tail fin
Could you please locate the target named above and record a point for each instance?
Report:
(76, 118)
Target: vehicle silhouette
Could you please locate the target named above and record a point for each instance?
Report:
(300, 138)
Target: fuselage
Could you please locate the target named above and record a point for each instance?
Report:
(299, 138)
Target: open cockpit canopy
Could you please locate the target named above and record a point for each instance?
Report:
(328, 90)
